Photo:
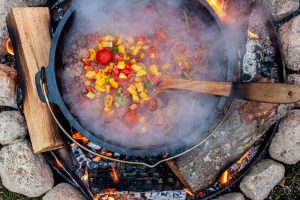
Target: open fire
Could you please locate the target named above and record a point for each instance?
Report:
(8, 46)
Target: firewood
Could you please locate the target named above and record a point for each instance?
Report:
(30, 34)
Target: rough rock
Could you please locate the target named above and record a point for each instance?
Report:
(295, 79)
(63, 191)
(262, 178)
(8, 91)
(285, 146)
(290, 38)
(12, 127)
(244, 125)
(231, 196)
(24, 172)
(280, 9)
(5, 7)
(36, 2)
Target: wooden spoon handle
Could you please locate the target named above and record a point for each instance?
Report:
(259, 92)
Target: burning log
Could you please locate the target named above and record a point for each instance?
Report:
(29, 30)
(245, 123)
(8, 92)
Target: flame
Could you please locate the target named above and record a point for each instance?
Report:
(111, 198)
(189, 192)
(217, 6)
(224, 179)
(78, 136)
(9, 48)
(252, 35)
(240, 161)
(96, 197)
(114, 175)
(85, 176)
(58, 164)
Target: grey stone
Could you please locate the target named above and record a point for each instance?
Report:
(280, 9)
(285, 146)
(5, 7)
(36, 2)
(231, 196)
(63, 191)
(295, 79)
(8, 88)
(290, 38)
(262, 178)
(244, 125)
(12, 127)
(24, 172)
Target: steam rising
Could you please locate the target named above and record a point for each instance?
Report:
(181, 117)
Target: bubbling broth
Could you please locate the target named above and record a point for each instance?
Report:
(113, 65)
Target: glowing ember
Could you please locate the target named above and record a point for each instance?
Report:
(252, 35)
(58, 164)
(114, 175)
(9, 48)
(189, 192)
(217, 6)
(97, 159)
(85, 176)
(78, 136)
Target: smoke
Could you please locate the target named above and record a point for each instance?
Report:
(181, 117)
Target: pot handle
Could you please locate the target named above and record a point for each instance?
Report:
(40, 78)
(40, 81)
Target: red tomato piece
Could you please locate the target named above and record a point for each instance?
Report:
(104, 56)
(117, 58)
(130, 119)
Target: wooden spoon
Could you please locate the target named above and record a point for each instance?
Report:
(259, 92)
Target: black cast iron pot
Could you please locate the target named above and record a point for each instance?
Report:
(55, 97)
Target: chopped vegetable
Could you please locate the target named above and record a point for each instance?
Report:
(104, 56)
(131, 119)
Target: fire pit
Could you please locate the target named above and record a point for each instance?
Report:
(199, 166)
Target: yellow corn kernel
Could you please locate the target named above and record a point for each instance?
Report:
(100, 88)
(108, 100)
(113, 83)
(135, 98)
(106, 44)
(107, 88)
(100, 81)
(111, 65)
(131, 89)
(136, 67)
(138, 79)
(126, 57)
(130, 40)
(132, 48)
(92, 54)
(136, 50)
(122, 75)
(142, 56)
(139, 87)
(90, 74)
(107, 109)
(90, 95)
(153, 69)
(108, 38)
(122, 49)
(141, 73)
(132, 61)
(121, 65)
(119, 41)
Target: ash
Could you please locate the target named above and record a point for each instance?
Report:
(259, 58)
